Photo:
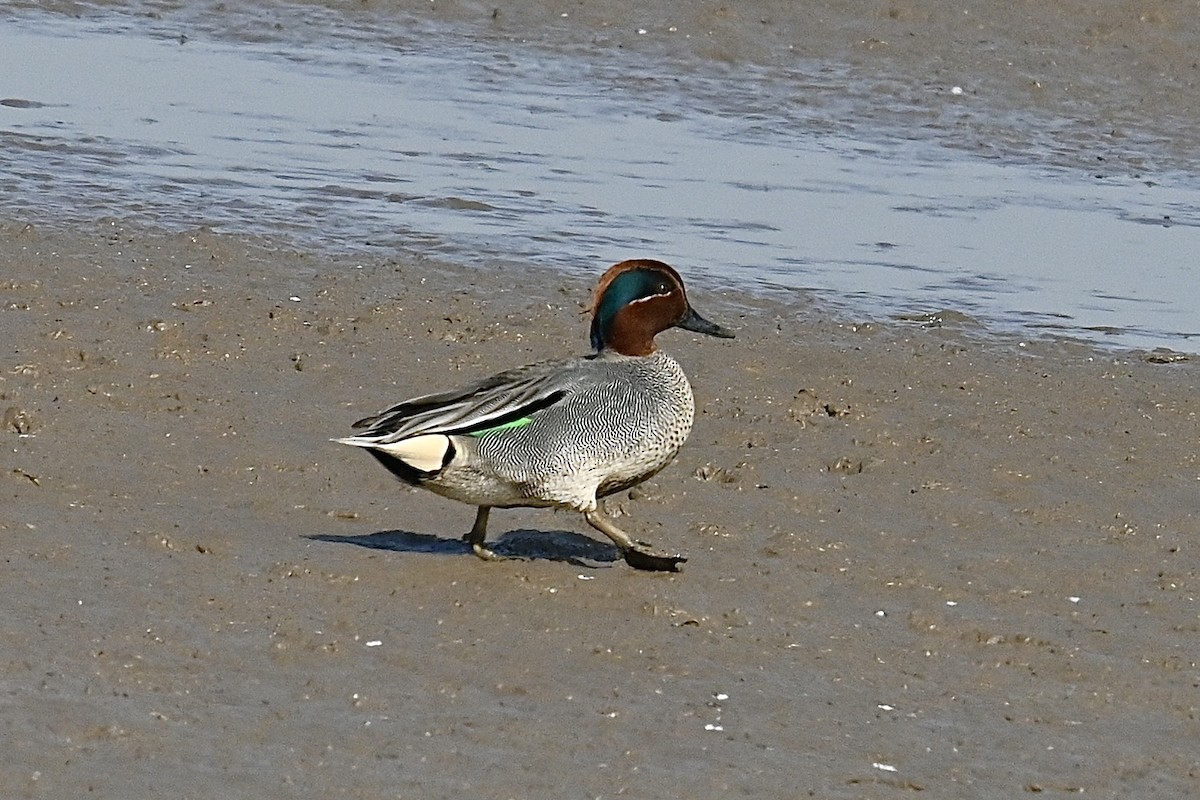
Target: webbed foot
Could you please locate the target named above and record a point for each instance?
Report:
(653, 561)
(478, 533)
(487, 554)
(638, 555)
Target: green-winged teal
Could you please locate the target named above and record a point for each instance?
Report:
(564, 433)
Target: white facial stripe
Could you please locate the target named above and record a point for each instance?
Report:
(648, 297)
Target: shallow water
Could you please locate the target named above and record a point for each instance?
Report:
(482, 152)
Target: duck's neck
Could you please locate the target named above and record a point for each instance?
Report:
(630, 347)
(609, 351)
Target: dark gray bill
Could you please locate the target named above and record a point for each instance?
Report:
(694, 322)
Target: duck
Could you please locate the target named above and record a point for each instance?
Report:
(562, 433)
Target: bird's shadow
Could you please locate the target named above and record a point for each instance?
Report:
(528, 545)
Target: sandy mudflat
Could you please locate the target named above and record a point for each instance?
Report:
(921, 557)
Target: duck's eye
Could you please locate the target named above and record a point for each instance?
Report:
(663, 288)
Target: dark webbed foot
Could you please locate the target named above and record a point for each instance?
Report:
(653, 561)
(637, 554)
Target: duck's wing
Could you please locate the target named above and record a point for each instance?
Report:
(503, 399)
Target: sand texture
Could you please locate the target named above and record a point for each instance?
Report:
(921, 557)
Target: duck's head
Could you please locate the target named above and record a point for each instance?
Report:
(638, 299)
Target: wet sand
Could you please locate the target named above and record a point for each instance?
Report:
(922, 557)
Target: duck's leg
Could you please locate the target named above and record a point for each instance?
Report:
(479, 533)
(637, 554)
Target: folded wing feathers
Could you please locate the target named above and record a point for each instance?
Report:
(476, 407)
